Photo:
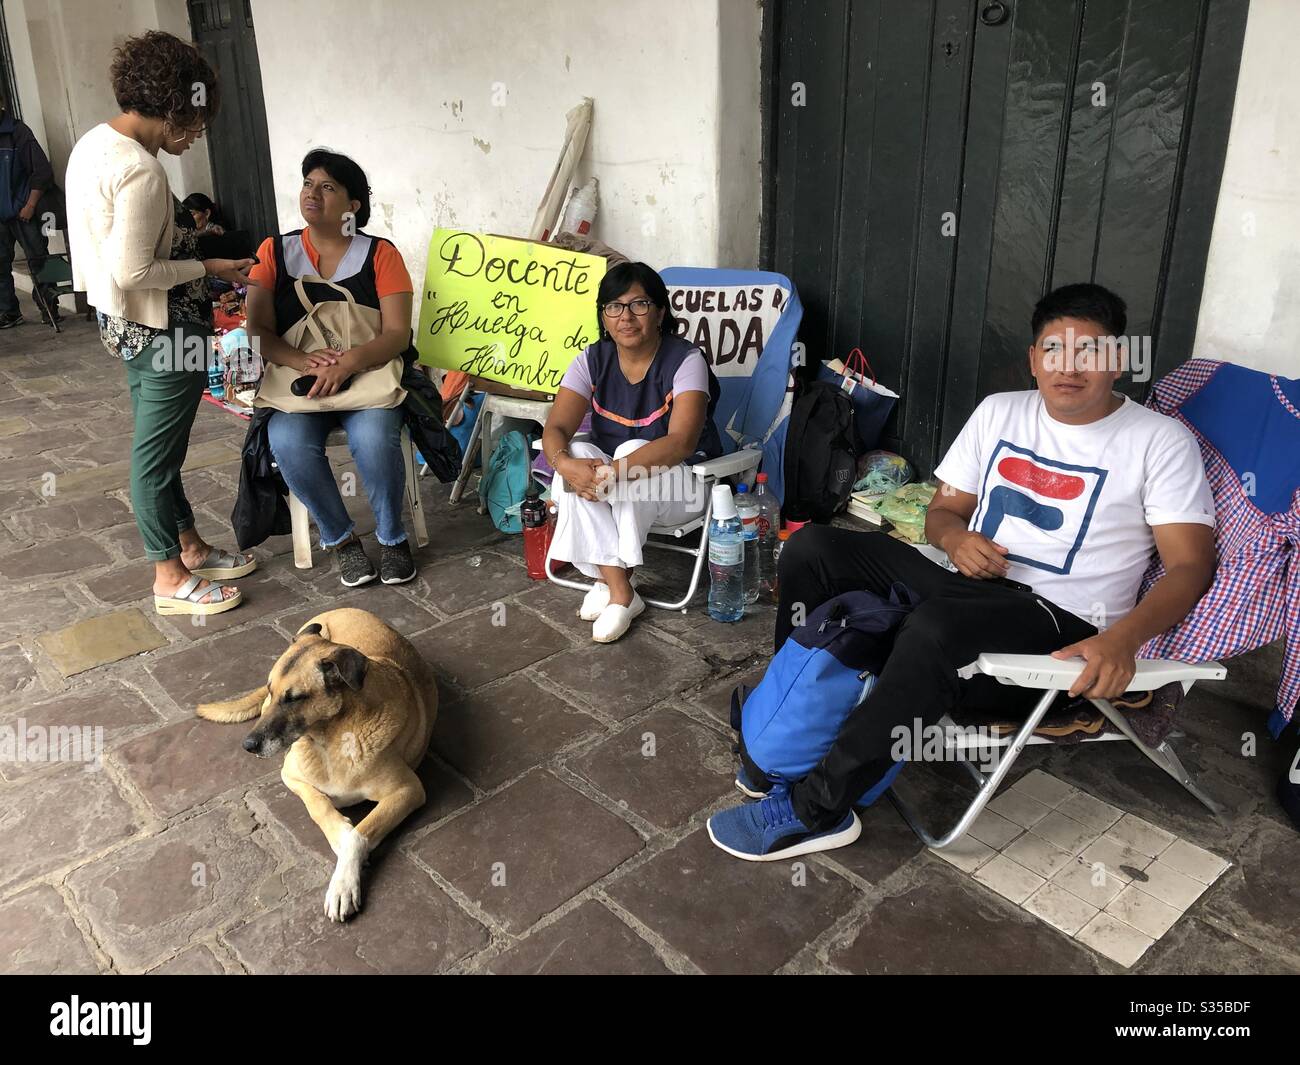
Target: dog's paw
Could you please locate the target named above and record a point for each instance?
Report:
(343, 896)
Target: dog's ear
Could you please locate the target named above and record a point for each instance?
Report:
(313, 629)
(346, 667)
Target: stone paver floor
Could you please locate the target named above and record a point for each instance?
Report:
(568, 782)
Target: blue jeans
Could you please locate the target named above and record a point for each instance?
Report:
(375, 439)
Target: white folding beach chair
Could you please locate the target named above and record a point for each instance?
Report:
(742, 464)
(1052, 676)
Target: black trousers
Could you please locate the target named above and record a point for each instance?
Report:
(957, 619)
(31, 239)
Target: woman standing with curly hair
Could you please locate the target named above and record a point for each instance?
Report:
(134, 253)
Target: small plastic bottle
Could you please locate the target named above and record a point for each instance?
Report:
(217, 374)
(769, 525)
(726, 559)
(581, 211)
(532, 515)
(781, 538)
(747, 511)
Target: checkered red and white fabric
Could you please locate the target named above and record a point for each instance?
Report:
(1255, 597)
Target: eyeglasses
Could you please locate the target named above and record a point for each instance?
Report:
(614, 309)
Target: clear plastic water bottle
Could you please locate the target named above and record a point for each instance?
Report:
(769, 526)
(747, 511)
(726, 559)
(781, 538)
(216, 375)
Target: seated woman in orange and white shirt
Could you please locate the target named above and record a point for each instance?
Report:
(335, 203)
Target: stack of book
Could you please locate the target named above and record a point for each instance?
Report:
(861, 505)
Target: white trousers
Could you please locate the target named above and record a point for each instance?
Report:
(612, 532)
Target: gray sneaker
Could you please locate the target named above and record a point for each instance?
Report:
(396, 566)
(355, 568)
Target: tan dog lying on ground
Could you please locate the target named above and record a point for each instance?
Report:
(354, 704)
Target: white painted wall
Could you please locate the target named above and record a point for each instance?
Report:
(70, 46)
(24, 68)
(408, 92)
(1250, 308)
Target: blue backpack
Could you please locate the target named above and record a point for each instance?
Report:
(464, 429)
(818, 677)
(505, 480)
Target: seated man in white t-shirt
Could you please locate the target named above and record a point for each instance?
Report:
(1051, 505)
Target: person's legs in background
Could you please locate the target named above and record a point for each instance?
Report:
(958, 618)
(638, 505)
(10, 313)
(298, 445)
(585, 533)
(164, 401)
(36, 247)
(820, 562)
(919, 685)
(635, 506)
(375, 439)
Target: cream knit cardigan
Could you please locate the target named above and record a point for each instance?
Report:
(120, 228)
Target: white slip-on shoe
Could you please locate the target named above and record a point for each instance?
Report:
(615, 620)
(595, 601)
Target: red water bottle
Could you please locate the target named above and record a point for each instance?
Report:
(532, 513)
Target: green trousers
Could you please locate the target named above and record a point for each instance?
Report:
(163, 402)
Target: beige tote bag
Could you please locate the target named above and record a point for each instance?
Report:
(339, 324)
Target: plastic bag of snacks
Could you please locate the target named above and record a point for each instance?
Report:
(881, 471)
(905, 509)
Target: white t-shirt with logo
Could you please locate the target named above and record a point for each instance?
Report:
(1074, 504)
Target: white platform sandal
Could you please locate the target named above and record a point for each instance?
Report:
(189, 598)
(223, 566)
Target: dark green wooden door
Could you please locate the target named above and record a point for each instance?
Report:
(238, 142)
(935, 166)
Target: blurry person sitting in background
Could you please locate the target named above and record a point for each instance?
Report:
(206, 214)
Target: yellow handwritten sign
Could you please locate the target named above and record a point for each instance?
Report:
(510, 310)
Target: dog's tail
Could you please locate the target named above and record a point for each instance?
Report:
(244, 708)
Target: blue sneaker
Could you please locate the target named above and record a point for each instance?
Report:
(769, 831)
(749, 787)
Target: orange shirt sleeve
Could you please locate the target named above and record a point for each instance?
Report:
(262, 272)
(390, 272)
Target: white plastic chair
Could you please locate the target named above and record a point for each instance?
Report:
(300, 518)
(536, 410)
(742, 463)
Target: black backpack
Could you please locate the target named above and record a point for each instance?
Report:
(819, 458)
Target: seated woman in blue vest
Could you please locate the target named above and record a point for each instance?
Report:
(651, 397)
(335, 202)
